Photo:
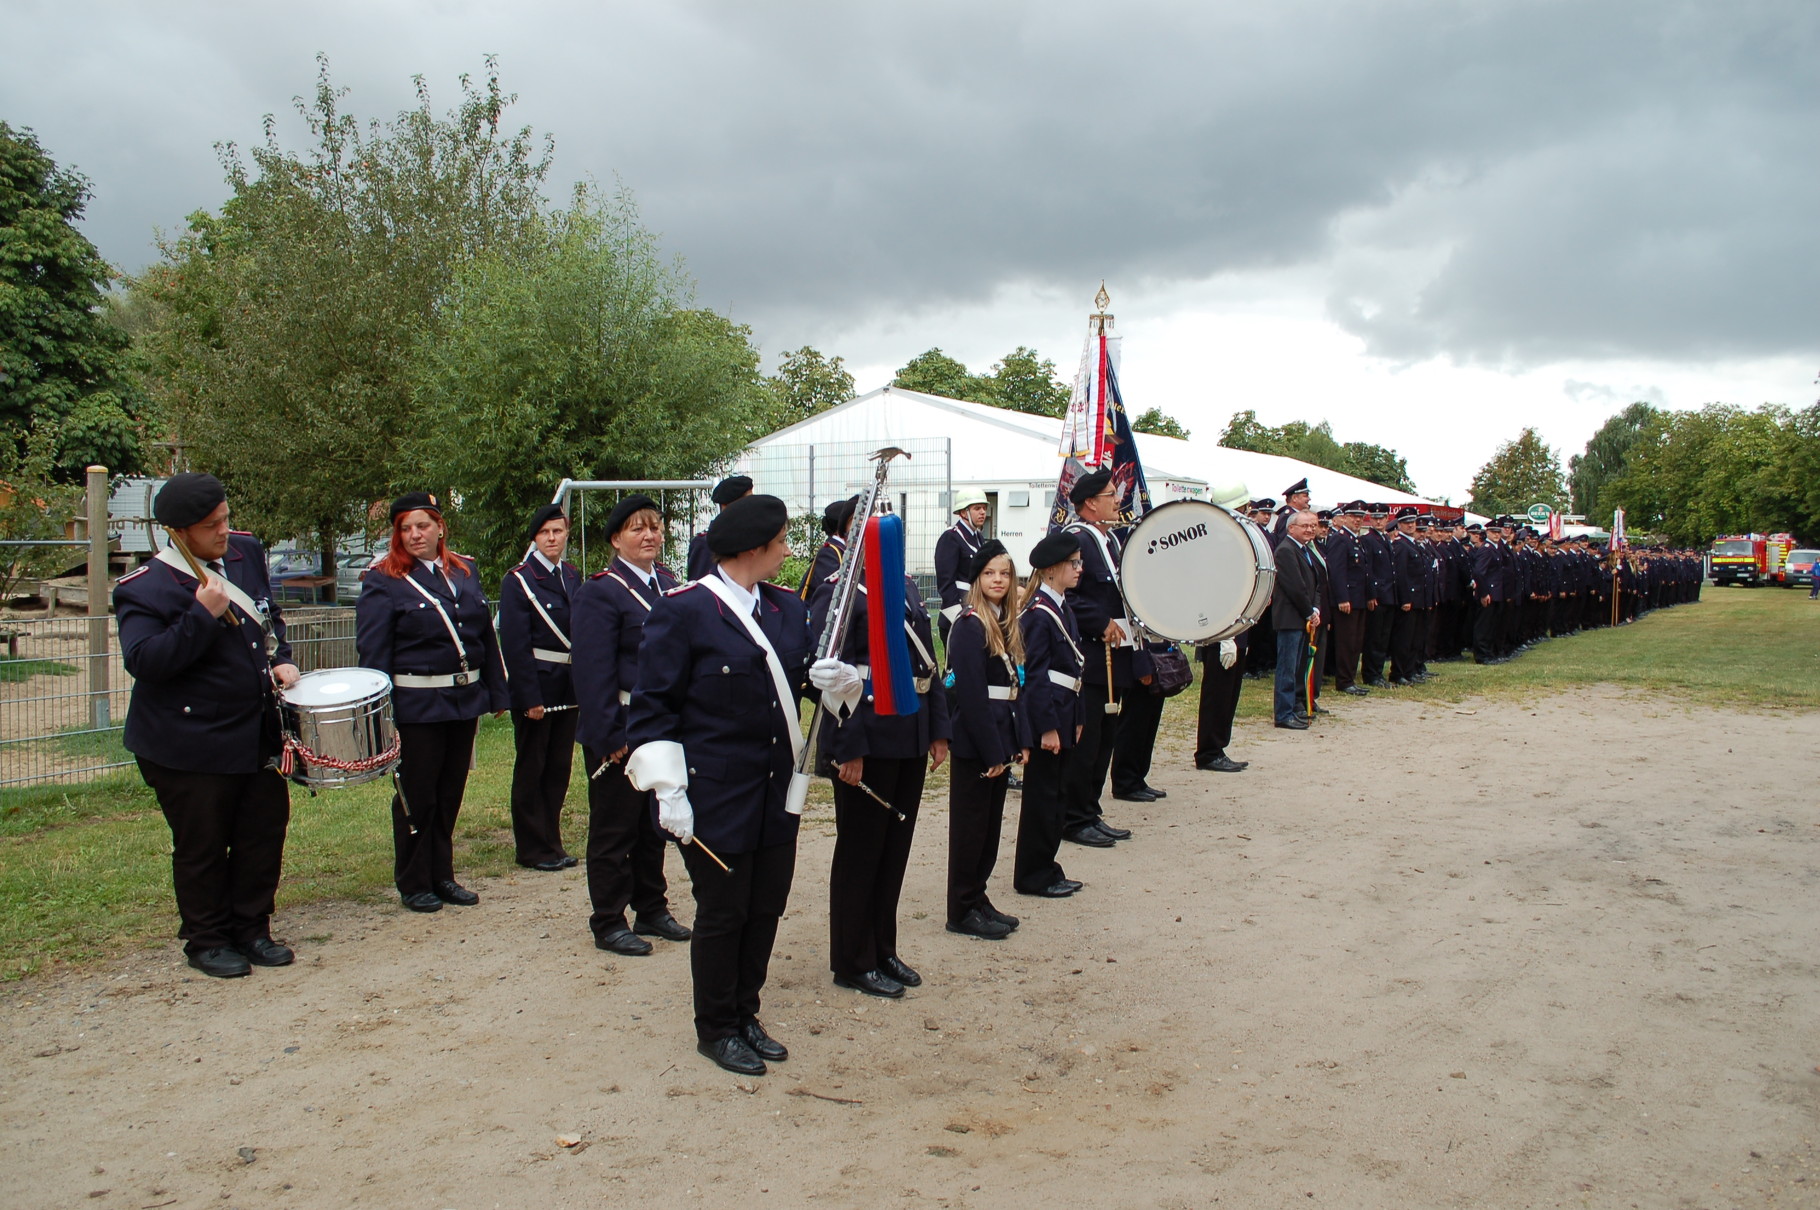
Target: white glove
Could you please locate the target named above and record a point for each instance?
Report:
(674, 814)
(835, 678)
(1229, 652)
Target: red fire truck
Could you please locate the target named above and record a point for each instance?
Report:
(1750, 559)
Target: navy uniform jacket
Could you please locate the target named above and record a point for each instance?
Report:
(1406, 573)
(1049, 706)
(400, 633)
(867, 733)
(703, 683)
(701, 559)
(202, 687)
(987, 729)
(1490, 575)
(826, 563)
(954, 550)
(1346, 570)
(611, 610)
(523, 633)
(1376, 549)
(1097, 600)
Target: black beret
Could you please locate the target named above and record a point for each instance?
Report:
(1300, 485)
(622, 512)
(989, 550)
(543, 517)
(732, 488)
(186, 499)
(837, 514)
(747, 524)
(410, 502)
(1057, 547)
(1088, 486)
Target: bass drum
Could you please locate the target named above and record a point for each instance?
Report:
(1194, 572)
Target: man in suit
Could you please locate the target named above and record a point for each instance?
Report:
(1294, 611)
(713, 731)
(203, 723)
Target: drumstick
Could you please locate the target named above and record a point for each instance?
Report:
(881, 802)
(696, 841)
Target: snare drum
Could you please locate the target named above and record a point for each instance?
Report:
(1194, 572)
(338, 727)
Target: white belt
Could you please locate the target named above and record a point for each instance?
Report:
(952, 612)
(625, 697)
(922, 682)
(550, 657)
(1071, 683)
(1002, 693)
(448, 680)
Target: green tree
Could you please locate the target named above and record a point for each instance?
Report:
(1155, 421)
(1695, 475)
(1523, 472)
(935, 373)
(807, 383)
(1245, 432)
(1798, 471)
(579, 357)
(1606, 454)
(1316, 444)
(1363, 460)
(288, 322)
(66, 372)
(1025, 382)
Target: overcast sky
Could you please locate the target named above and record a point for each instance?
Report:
(1428, 223)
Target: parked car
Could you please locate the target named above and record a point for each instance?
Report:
(350, 570)
(290, 567)
(1798, 568)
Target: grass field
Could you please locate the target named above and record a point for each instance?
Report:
(85, 869)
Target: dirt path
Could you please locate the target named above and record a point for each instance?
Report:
(1562, 954)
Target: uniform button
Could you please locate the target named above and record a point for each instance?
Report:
(186, 709)
(691, 770)
(774, 703)
(724, 669)
(774, 739)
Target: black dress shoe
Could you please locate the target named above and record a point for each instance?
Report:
(1357, 691)
(1155, 791)
(873, 983)
(763, 1044)
(423, 901)
(662, 924)
(623, 941)
(1055, 890)
(1107, 829)
(992, 913)
(1378, 683)
(977, 924)
(221, 963)
(734, 1055)
(453, 892)
(263, 951)
(550, 866)
(894, 966)
(1090, 836)
(1139, 795)
(1220, 764)
(569, 863)
(1072, 885)
(1292, 724)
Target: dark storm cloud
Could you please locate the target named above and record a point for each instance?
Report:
(1504, 182)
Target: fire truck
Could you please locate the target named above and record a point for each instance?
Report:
(1750, 559)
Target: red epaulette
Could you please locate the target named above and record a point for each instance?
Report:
(137, 571)
(245, 533)
(680, 588)
(603, 571)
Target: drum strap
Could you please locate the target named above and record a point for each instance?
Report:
(234, 592)
(454, 637)
(542, 612)
(636, 596)
(1112, 565)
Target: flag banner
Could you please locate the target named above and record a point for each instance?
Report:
(893, 682)
(1618, 539)
(1096, 434)
(1555, 529)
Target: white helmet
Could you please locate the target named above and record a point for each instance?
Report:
(1231, 494)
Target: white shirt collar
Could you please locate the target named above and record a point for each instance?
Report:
(964, 527)
(539, 556)
(1053, 594)
(748, 601)
(643, 573)
(433, 566)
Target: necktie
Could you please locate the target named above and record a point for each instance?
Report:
(653, 582)
(214, 565)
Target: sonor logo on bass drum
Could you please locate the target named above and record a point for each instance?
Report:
(1177, 538)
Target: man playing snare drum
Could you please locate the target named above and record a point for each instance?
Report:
(204, 722)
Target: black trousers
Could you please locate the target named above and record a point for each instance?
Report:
(540, 781)
(1378, 624)
(1089, 760)
(625, 850)
(1039, 821)
(1405, 635)
(1135, 745)
(1513, 625)
(431, 776)
(1219, 702)
(976, 816)
(871, 852)
(736, 917)
(1348, 638)
(1486, 641)
(227, 848)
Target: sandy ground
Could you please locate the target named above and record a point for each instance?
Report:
(1550, 955)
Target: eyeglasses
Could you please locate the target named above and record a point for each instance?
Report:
(1076, 563)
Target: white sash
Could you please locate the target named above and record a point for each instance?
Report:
(636, 596)
(543, 613)
(235, 593)
(454, 637)
(1111, 566)
(1061, 628)
(786, 700)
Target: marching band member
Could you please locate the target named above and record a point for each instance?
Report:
(423, 621)
(625, 848)
(712, 727)
(836, 519)
(701, 559)
(991, 733)
(1052, 696)
(203, 723)
(954, 553)
(534, 642)
(867, 753)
